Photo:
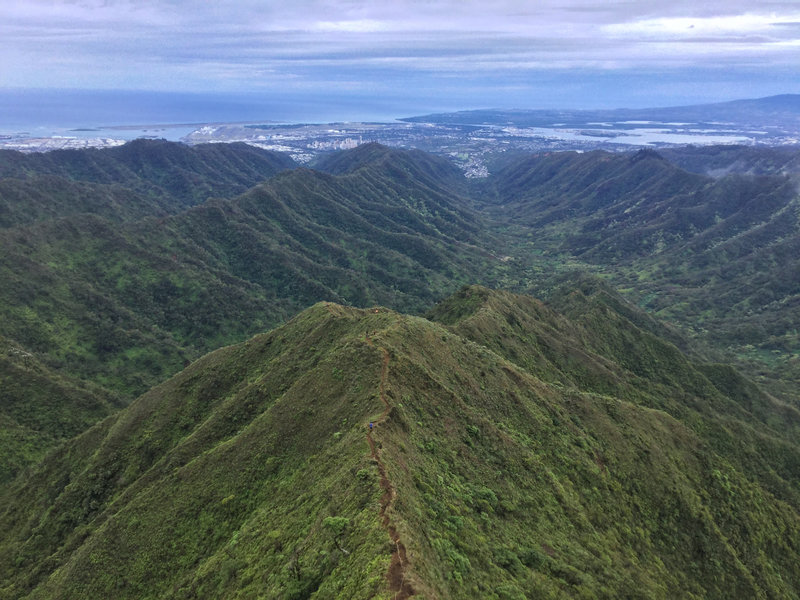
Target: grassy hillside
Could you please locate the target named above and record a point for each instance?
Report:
(718, 161)
(117, 287)
(125, 305)
(428, 169)
(43, 197)
(168, 171)
(607, 208)
(185, 274)
(596, 342)
(716, 256)
(119, 270)
(40, 408)
(517, 452)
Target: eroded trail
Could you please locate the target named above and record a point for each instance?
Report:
(397, 568)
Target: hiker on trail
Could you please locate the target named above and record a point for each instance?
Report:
(370, 425)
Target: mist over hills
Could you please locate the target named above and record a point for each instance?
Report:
(573, 445)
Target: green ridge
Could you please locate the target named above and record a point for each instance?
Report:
(516, 470)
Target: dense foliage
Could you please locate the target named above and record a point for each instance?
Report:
(108, 262)
(526, 453)
(124, 302)
(717, 256)
(39, 408)
(573, 447)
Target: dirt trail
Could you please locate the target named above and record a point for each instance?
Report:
(399, 563)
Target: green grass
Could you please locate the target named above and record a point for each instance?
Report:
(515, 473)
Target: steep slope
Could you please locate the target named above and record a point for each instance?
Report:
(39, 408)
(607, 208)
(781, 112)
(718, 256)
(249, 450)
(544, 342)
(254, 472)
(126, 305)
(597, 343)
(44, 197)
(433, 171)
(629, 205)
(176, 175)
(550, 186)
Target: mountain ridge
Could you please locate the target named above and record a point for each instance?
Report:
(126, 298)
(757, 110)
(175, 175)
(497, 481)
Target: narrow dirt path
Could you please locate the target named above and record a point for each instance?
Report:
(399, 563)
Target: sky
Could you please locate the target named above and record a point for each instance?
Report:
(434, 54)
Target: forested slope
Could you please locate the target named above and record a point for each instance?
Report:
(119, 269)
(716, 256)
(517, 452)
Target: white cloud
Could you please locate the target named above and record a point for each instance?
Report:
(232, 44)
(357, 26)
(723, 25)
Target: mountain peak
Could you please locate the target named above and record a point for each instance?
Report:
(645, 154)
(425, 167)
(261, 459)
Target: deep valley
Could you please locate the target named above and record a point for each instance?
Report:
(582, 372)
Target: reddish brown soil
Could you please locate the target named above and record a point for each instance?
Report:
(399, 563)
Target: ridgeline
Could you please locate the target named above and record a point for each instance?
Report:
(568, 446)
(254, 472)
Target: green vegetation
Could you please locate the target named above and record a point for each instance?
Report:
(250, 473)
(717, 257)
(126, 305)
(40, 408)
(149, 172)
(573, 446)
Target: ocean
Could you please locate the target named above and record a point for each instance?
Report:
(130, 114)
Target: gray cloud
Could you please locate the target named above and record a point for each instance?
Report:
(255, 44)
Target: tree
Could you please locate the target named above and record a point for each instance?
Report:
(337, 526)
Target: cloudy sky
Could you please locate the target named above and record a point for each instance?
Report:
(448, 53)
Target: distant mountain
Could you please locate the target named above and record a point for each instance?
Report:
(572, 446)
(771, 105)
(126, 305)
(541, 189)
(718, 161)
(120, 285)
(173, 175)
(516, 451)
(37, 198)
(434, 171)
(618, 206)
(716, 255)
(780, 111)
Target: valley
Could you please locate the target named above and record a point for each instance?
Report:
(526, 473)
(581, 368)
